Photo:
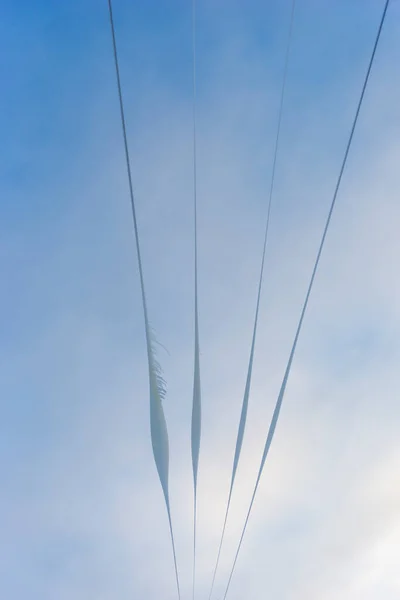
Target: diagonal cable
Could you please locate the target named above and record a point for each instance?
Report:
(278, 405)
(159, 434)
(245, 403)
(196, 407)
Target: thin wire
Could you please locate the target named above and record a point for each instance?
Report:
(196, 409)
(135, 225)
(243, 416)
(278, 405)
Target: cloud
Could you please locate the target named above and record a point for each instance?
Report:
(82, 512)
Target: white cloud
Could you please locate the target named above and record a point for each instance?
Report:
(84, 514)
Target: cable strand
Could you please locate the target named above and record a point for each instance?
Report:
(278, 405)
(149, 341)
(243, 417)
(196, 407)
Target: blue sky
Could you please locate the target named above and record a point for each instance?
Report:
(81, 507)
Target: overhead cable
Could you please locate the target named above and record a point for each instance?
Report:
(196, 406)
(245, 403)
(158, 426)
(278, 405)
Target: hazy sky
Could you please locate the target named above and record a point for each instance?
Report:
(81, 508)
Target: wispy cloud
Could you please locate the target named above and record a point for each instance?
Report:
(81, 507)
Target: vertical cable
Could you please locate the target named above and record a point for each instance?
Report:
(159, 434)
(196, 408)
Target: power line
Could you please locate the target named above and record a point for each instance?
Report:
(243, 416)
(196, 408)
(278, 405)
(159, 434)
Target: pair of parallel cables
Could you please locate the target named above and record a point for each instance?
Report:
(159, 434)
(158, 426)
